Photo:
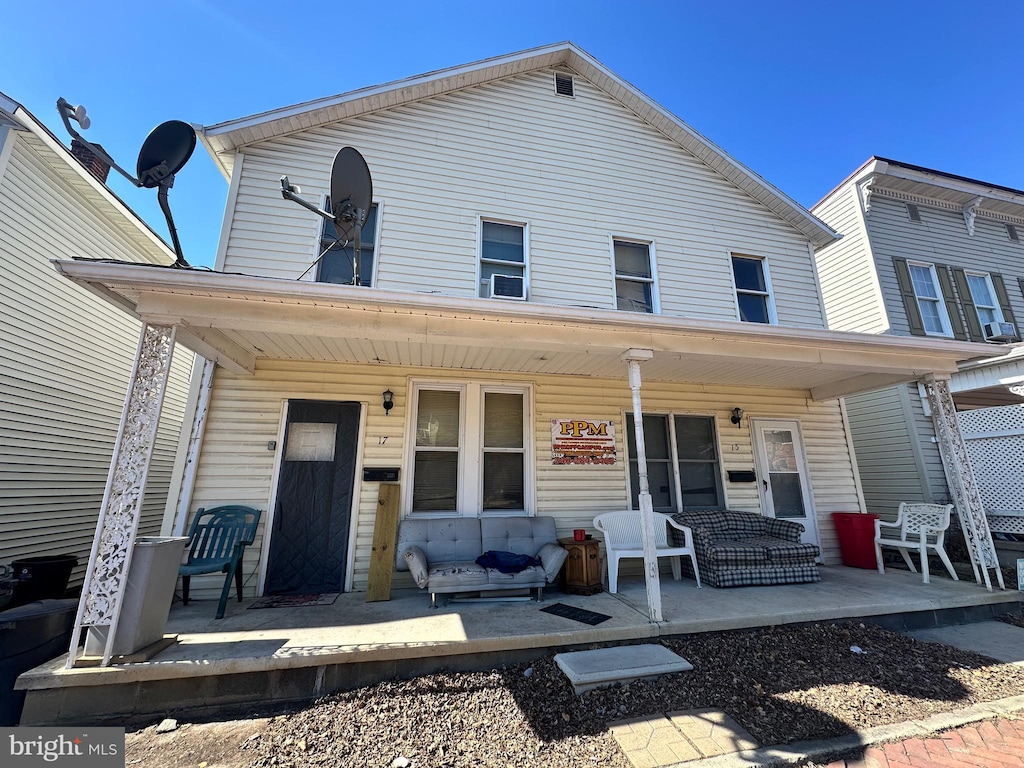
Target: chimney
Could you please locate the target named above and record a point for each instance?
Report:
(97, 166)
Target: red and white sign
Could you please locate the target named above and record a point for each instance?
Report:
(579, 441)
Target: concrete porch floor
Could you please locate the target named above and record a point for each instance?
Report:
(294, 654)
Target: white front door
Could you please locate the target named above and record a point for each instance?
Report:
(782, 474)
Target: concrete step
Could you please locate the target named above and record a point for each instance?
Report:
(602, 667)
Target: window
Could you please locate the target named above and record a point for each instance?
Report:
(753, 291)
(502, 252)
(336, 265)
(929, 300)
(682, 462)
(984, 297)
(470, 449)
(634, 278)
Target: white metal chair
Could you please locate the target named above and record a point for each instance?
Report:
(623, 538)
(913, 525)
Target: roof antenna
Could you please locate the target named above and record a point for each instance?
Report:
(164, 152)
(350, 198)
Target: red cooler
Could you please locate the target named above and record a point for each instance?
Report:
(856, 532)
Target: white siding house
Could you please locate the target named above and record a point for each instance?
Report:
(634, 236)
(926, 254)
(66, 355)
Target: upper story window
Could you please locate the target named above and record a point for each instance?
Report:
(338, 262)
(682, 462)
(930, 301)
(634, 277)
(753, 290)
(983, 295)
(503, 254)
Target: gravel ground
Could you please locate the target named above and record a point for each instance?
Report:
(782, 684)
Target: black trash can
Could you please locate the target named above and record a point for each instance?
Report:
(29, 636)
(42, 578)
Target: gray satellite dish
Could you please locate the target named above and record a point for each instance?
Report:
(350, 197)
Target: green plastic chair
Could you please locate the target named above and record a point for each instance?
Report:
(216, 542)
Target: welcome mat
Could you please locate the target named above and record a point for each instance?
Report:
(576, 614)
(295, 601)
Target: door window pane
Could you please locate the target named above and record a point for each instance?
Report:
(503, 420)
(786, 495)
(503, 481)
(437, 421)
(310, 441)
(781, 451)
(435, 481)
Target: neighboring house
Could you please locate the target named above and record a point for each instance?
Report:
(66, 355)
(929, 254)
(619, 234)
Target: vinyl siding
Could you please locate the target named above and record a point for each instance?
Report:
(578, 171)
(65, 361)
(940, 237)
(246, 412)
(849, 286)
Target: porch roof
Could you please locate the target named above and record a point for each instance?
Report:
(236, 319)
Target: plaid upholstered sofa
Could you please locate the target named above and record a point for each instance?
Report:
(738, 549)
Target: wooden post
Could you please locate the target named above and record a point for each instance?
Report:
(382, 556)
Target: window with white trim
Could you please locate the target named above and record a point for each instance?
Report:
(683, 467)
(753, 289)
(470, 449)
(634, 277)
(502, 252)
(983, 294)
(929, 299)
(338, 256)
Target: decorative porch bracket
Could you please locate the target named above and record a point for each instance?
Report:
(962, 484)
(106, 578)
(633, 358)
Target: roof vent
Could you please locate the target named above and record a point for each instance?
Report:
(1011, 232)
(564, 85)
(913, 213)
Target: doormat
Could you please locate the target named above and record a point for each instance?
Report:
(295, 601)
(576, 614)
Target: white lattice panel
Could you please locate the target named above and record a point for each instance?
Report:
(995, 444)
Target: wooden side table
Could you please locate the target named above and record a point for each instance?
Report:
(581, 574)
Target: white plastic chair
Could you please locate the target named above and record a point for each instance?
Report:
(622, 538)
(913, 524)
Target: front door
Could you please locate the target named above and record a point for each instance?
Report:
(309, 537)
(782, 475)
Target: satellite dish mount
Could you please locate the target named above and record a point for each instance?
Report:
(164, 152)
(350, 197)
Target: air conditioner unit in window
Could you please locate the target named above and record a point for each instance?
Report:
(999, 332)
(508, 287)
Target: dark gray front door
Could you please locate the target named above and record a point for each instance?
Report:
(309, 540)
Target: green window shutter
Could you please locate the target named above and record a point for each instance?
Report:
(909, 297)
(1004, 299)
(952, 308)
(967, 302)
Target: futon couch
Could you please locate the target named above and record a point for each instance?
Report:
(441, 553)
(737, 549)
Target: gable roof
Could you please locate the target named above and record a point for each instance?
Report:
(224, 139)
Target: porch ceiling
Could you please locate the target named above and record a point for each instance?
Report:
(238, 319)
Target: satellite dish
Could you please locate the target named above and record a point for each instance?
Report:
(165, 152)
(351, 187)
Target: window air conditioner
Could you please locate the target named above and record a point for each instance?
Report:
(999, 332)
(508, 287)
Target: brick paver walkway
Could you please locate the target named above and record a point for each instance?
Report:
(989, 744)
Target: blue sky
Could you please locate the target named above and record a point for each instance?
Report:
(801, 93)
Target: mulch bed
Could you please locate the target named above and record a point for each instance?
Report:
(782, 684)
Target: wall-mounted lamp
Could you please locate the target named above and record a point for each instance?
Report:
(388, 400)
(737, 416)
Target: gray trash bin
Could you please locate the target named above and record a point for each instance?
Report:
(147, 599)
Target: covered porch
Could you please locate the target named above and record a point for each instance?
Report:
(274, 656)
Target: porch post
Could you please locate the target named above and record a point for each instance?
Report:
(107, 574)
(960, 478)
(633, 359)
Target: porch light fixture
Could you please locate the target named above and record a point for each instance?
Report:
(389, 400)
(737, 416)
